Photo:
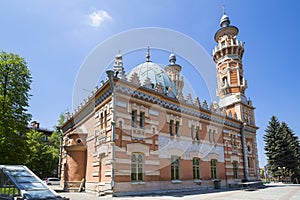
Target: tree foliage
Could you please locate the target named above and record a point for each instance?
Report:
(282, 149)
(43, 153)
(15, 80)
(18, 145)
(271, 144)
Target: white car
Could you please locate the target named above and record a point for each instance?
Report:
(52, 181)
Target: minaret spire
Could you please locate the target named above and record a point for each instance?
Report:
(148, 54)
(223, 8)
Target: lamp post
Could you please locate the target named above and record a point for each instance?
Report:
(110, 75)
(279, 169)
(282, 173)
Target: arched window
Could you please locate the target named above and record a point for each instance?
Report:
(224, 80)
(137, 166)
(249, 148)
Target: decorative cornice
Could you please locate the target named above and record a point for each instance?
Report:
(183, 107)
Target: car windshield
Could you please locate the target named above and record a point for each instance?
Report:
(29, 184)
(25, 179)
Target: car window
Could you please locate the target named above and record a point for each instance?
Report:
(54, 179)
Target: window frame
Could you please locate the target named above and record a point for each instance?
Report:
(101, 120)
(197, 135)
(142, 120)
(177, 128)
(196, 168)
(213, 168)
(175, 168)
(171, 127)
(137, 167)
(235, 169)
(192, 131)
(214, 134)
(223, 44)
(250, 162)
(105, 119)
(234, 140)
(133, 118)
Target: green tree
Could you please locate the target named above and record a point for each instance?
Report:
(282, 150)
(41, 155)
(290, 157)
(15, 80)
(271, 141)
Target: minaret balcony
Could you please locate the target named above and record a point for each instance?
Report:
(234, 42)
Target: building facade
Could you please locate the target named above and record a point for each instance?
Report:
(137, 133)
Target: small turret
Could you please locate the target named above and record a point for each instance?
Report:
(118, 65)
(173, 70)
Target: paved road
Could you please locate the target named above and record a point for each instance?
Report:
(271, 192)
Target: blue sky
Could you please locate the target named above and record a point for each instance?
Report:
(56, 36)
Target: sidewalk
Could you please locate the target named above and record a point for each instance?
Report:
(276, 191)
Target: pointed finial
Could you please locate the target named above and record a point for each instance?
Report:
(148, 54)
(224, 22)
(118, 55)
(172, 58)
(223, 8)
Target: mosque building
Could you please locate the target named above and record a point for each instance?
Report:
(137, 133)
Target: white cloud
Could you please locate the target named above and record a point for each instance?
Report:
(97, 18)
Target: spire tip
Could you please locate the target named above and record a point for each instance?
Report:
(223, 8)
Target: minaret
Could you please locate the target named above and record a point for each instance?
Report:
(173, 71)
(228, 56)
(118, 65)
